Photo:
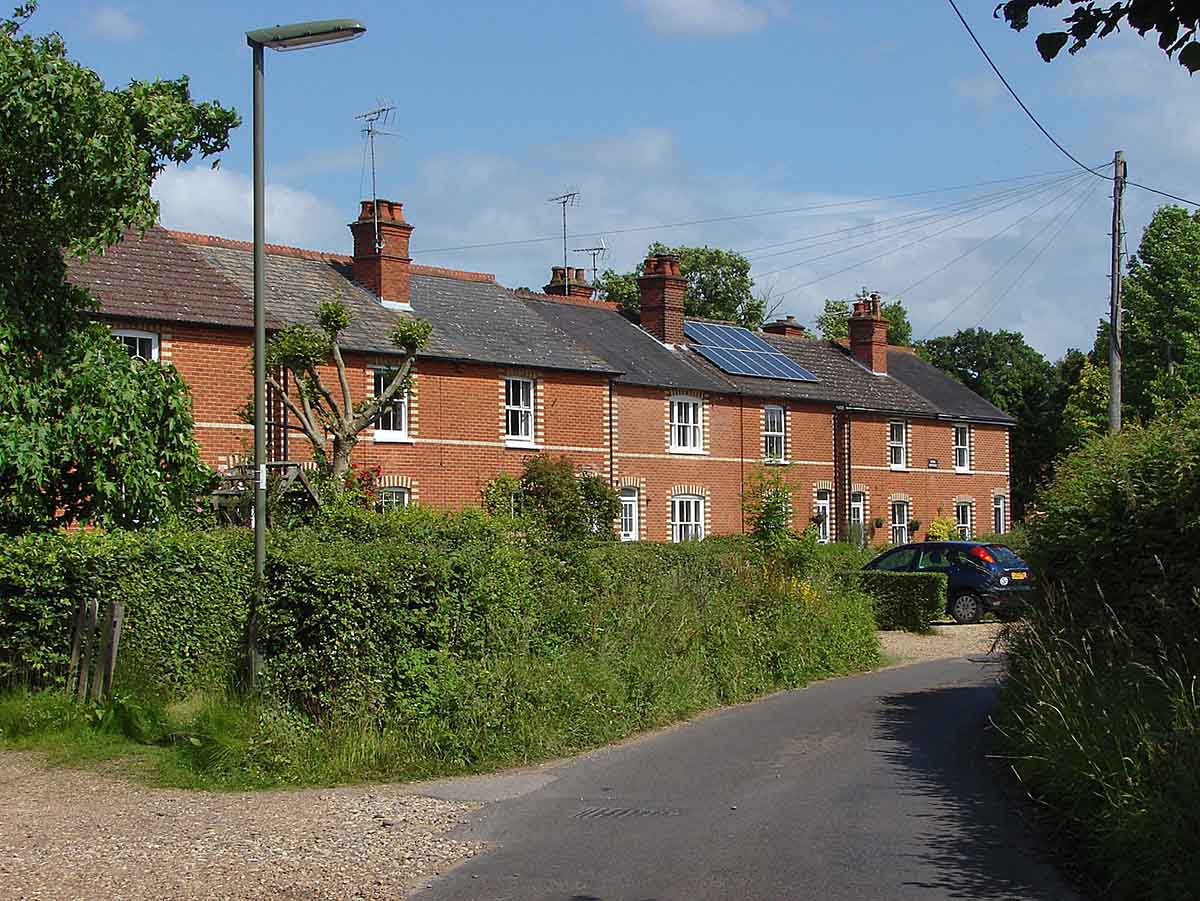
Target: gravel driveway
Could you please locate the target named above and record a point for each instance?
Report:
(951, 640)
(75, 834)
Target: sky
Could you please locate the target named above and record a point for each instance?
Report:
(841, 145)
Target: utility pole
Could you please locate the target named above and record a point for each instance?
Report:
(1115, 350)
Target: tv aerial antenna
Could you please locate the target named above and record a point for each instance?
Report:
(376, 122)
(598, 253)
(569, 198)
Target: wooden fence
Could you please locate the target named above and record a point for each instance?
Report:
(94, 645)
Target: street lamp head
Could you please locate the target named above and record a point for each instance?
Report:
(306, 34)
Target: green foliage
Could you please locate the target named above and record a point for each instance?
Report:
(1174, 21)
(834, 322)
(552, 496)
(1085, 413)
(942, 528)
(1107, 741)
(410, 335)
(1162, 315)
(1002, 368)
(719, 285)
(908, 601)
(768, 505)
(185, 596)
(85, 435)
(1118, 529)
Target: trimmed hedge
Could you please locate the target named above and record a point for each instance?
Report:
(185, 596)
(908, 601)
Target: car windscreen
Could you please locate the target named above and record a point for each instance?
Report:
(1005, 556)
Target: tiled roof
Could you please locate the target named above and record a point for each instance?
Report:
(949, 396)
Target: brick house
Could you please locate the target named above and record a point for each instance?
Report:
(865, 434)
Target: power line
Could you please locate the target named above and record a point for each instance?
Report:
(917, 216)
(1042, 128)
(880, 256)
(1083, 195)
(731, 218)
(1038, 255)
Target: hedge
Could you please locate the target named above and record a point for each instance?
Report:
(185, 596)
(908, 601)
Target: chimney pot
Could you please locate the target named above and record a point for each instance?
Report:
(663, 291)
(868, 332)
(384, 269)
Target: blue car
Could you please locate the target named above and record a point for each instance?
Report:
(983, 577)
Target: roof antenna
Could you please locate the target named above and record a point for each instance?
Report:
(570, 198)
(377, 120)
(598, 253)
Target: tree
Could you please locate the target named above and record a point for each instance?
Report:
(1004, 369)
(1162, 315)
(570, 505)
(718, 285)
(86, 433)
(1085, 413)
(302, 350)
(834, 322)
(1174, 21)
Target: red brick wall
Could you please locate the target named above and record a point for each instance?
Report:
(456, 440)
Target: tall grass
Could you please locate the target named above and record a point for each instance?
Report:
(1109, 741)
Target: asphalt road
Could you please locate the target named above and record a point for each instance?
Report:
(872, 786)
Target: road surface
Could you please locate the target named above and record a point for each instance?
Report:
(868, 787)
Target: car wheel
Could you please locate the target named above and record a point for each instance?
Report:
(966, 609)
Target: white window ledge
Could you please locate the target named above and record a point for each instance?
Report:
(690, 451)
(383, 436)
(775, 462)
(963, 472)
(522, 444)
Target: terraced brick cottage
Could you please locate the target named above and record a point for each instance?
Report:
(677, 413)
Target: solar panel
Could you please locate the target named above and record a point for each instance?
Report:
(739, 351)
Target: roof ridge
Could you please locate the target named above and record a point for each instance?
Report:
(525, 294)
(463, 275)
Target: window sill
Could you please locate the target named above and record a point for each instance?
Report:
(774, 462)
(962, 472)
(391, 438)
(898, 468)
(521, 444)
(688, 451)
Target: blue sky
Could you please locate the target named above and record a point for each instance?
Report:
(665, 111)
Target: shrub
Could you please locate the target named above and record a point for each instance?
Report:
(185, 596)
(1120, 524)
(768, 505)
(569, 505)
(908, 601)
(943, 528)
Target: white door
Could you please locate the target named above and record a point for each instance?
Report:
(630, 527)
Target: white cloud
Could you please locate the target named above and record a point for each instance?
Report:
(707, 18)
(638, 149)
(980, 90)
(221, 202)
(114, 23)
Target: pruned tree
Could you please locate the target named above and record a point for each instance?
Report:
(331, 422)
(1174, 21)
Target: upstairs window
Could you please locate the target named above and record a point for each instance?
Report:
(392, 422)
(141, 345)
(998, 518)
(897, 445)
(962, 519)
(774, 433)
(518, 410)
(687, 430)
(962, 448)
(687, 518)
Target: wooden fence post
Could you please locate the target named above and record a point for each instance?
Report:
(76, 645)
(85, 661)
(116, 616)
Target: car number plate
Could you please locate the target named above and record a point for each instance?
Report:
(1018, 576)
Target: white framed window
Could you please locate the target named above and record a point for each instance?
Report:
(962, 518)
(824, 511)
(392, 422)
(897, 444)
(518, 410)
(774, 434)
(900, 517)
(687, 426)
(858, 517)
(392, 499)
(630, 525)
(998, 518)
(687, 517)
(962, 448)
(141, 345)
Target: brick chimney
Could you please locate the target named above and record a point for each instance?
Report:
(788, 327)
(868, 333)
(566, 281)
(383, 270)
(662, 291)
